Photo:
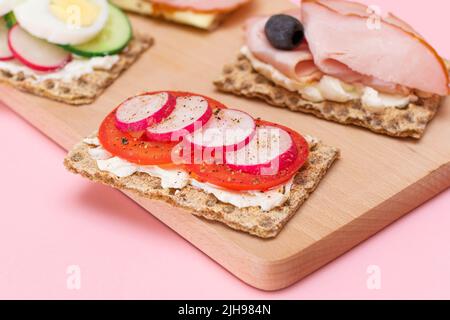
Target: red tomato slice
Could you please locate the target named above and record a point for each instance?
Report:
(134, 147)
(221, 175)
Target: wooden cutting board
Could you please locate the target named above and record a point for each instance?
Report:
(378, 179)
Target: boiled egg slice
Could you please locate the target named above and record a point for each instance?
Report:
(65, 22)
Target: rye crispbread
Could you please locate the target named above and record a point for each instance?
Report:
(251, 220)
(85, 89)
(242, 79)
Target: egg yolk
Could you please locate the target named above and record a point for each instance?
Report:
(76, 13)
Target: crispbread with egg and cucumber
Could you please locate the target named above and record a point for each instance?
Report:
(338, 66)
(203, 14)
(66, 50)
(195, 153)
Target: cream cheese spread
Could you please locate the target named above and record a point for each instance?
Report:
(265, 200)
(179, 179)
(329, 88)
(71, 71)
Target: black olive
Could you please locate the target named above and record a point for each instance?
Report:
(284, 32)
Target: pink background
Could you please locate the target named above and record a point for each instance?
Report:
(51, 219)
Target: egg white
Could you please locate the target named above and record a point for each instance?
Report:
(36, 18)
(7, 6)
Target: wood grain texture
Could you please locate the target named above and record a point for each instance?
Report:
(378, 180)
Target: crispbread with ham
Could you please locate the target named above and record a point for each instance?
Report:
(241, 79)
(339, 67)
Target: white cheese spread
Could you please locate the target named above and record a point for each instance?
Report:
(179, 179)
(265, 200)
(329, 88)
(71, 71)
(375, 99)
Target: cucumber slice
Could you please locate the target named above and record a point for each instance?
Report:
(111, 40)
(10, 19)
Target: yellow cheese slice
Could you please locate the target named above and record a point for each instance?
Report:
(207, 20)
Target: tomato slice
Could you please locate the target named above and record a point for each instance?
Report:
(221, 175)
(134, 147)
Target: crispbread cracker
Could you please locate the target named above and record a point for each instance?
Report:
(251, 220)
(85, 89)
(241, 79)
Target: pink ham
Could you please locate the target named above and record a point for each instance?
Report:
(297, 64)
(361, 10)
(202, 5)
(343, 46)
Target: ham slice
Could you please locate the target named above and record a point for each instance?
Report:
(299, 64)
(296, 64)
(202, 5)
(390, 57)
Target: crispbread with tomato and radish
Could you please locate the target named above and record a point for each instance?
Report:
(194, 152)
(68, 51)
(329, 59)
(202, 14)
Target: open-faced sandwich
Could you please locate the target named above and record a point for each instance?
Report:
(339, 61)
(195, 153)
(65, 50)
(203, 14)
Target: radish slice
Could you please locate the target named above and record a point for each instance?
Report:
(5, 52)
(190, 114)
(271, 150)
(140, 112)
(228, 130)
(35, 53)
